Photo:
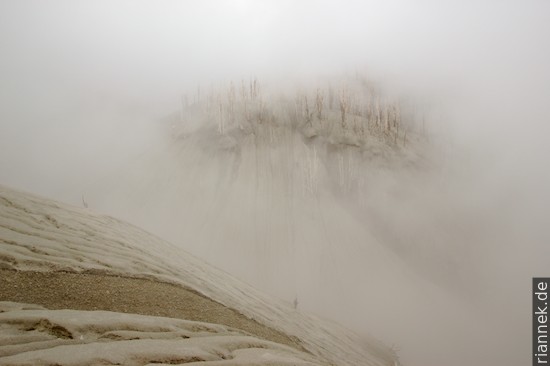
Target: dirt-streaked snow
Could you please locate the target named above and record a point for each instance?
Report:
(32, 335)
(44, 235)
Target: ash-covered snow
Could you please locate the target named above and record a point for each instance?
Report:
(44, 235)
(31, 335)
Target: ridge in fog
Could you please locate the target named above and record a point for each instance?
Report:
(358, 221)
(347, 213)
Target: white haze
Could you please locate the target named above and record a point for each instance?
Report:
(81, 84)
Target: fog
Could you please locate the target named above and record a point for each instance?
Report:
(438, 261)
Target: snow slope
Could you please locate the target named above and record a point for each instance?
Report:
(43, 235)
(32, 335)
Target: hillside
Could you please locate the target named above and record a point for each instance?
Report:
(41, 235)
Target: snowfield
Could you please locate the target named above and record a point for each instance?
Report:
(43, 235)
(32, 335)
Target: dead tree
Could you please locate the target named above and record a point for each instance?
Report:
(319, 98)
(344, 107)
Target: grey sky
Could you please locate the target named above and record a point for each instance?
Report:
(486, 62)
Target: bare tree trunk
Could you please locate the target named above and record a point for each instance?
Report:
(319, 104)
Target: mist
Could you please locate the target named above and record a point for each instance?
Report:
(438, 258)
